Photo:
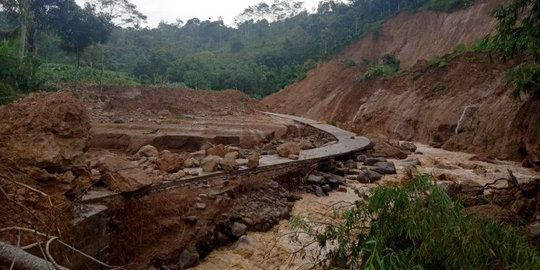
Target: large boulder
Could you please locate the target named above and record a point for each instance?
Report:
(229, 163)
(219, 150)
(148, 151)
(171, 162)
(122, 176)
(287, 149)
(253, 160)
(385, 167)
(210, 163)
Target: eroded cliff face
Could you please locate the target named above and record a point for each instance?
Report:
(475, 111)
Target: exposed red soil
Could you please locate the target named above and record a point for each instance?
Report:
(42, 139)
(140, 103)
(407, 106)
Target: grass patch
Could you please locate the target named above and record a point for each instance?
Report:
(57, 74)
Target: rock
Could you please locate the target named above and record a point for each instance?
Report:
(341, 171)
(121, 176)
(319, 191)
(200, 206)
(412, 162)
(316, 180)
(350, 164)
(190, 219)
(171, 162)
(229, 163)
(373, 176)
(210, 163)
(238, 229)
(219, 150)
(411, 170)
(293, 157)
(408, 145)
(253, 161)
(471, 187)
(385, 167)
(232, 155)
(95, 175)
(191, 163)
(305, 144)
(334, 180)
(533, 230)
(388, 149)
(326, 188)
(188, 259)
(363, 177)
(243, 242)
(360, 158)
(199, 155)
(372, 161)
(148, 151)
(288, 149)
(446, 166)
(340, 164)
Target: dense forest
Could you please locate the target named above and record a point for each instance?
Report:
(271, 45)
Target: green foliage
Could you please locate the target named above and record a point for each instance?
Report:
(525, 78)
(15, 77)
(439, 86)
(447, 5)
(438, 62)
(55, 75)
(419, 226)
(350, 63)
(332, 122)
(537, 126)
(389, 66)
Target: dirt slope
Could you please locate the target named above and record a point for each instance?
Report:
(476, 111)
(401, 35)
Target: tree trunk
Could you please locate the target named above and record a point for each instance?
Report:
(22, 46)
(102, 70)
(23, 260)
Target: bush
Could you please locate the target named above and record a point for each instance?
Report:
(389, 66)
(439, 86)
(350, 63)
(419, 226)
(524, 79)
(56, 74)
(438, 62)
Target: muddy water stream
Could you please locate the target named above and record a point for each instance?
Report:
(276, 248)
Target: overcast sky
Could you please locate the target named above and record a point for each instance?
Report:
(170, 10)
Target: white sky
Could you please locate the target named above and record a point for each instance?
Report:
(170, 10)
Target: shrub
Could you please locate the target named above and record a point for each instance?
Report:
(389, 66)
(350, 63)
(439, 86)
(525, 78)
(419, 226)
(438, 62)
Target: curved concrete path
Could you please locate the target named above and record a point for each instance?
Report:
(346, 143)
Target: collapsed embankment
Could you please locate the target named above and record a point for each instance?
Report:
(465, 105)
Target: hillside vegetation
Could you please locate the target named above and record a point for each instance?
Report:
(272, 45)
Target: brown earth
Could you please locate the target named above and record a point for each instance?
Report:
(42, 140)
(407, 106)
(124, 103)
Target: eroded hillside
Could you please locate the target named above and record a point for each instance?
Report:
(472, 110)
